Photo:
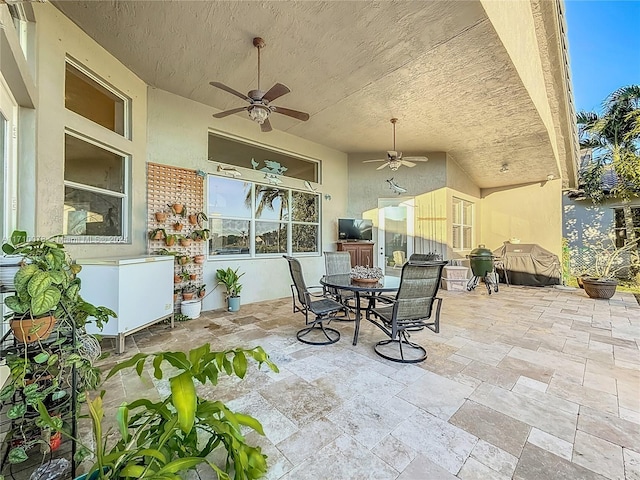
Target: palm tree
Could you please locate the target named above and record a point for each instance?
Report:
(266, 196)
(614, 138)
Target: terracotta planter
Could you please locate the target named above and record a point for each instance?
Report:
(177, 208)
(193, 276)
(202, 294)
(193, 219)
(188, 296)
(175, 297)
(185, 242)
(177, 279)
(158, 236)
(198, 259)
(29, 330)
(183, 260)
(177, 226)
(161, 216)
(599, 287)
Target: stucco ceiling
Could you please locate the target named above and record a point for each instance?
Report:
(438, 66)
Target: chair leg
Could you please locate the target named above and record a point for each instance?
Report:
(409, 352)
(330, 335)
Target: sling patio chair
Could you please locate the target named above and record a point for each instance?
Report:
(339, 263)
(412, 308)
(324, 309)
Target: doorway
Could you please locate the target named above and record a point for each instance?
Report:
(395, 233)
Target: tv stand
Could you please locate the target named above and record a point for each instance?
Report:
(361, 252)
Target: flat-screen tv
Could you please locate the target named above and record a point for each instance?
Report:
(355, 229)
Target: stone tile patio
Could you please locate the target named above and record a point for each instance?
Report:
(528, 383)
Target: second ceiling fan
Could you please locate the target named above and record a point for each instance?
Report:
(394, 158)
(260, 107)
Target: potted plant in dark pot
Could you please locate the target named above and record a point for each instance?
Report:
(607, 263)
(229, 278)
(48, 322)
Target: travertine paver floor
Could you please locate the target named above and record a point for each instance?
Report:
(528, 383)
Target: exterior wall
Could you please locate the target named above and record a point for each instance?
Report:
(458, 180)
(178, 135)
(58, 37)
(531, 213)
(432, 233)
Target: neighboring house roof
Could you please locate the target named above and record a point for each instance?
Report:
(608, 180)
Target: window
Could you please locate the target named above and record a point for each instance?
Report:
(462, 224)
(620, 230)
(94, 100)
(239, 154)
(252, 219)
(95, 186)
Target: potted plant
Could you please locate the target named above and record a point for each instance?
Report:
(229, 278)
(170, 240)
(176, 292)
(47, 295)
(607, 262)
(161, 217)
(202, 290)
(182, 259)
(200, 235)
(185, 241)
(177, 209)
(157, 234)
(177, 226)
(159, 439)
(188, 292)
(198, 218)
(199, 259)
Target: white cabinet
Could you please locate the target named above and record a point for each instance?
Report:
(138, 289)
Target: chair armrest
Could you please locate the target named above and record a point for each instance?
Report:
(316, 294)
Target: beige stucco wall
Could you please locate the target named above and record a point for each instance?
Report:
(178, 133)
(57, 37)
(532, 213)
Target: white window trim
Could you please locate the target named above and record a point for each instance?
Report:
(461, 224)
(125, 195)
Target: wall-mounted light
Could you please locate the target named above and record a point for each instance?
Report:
(504, 168)
(551, 176)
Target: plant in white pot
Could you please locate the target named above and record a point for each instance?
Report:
(607, 264)
(229, 278)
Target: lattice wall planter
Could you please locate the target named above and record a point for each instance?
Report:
(173, 194)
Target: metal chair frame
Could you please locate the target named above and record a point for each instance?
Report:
(412, 308)
(339, 263)
(324, 309)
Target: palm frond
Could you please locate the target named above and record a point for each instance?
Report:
(624, 95)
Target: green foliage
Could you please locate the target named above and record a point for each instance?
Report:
(160, 439)
(229, 278)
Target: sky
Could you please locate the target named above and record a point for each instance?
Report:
(604, 48)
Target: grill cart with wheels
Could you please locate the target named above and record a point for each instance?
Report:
(482, 266)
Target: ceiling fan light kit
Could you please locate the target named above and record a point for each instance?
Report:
(259, 108)
(394, 158)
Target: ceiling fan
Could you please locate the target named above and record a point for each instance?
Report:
(260, 107)
(394, 158)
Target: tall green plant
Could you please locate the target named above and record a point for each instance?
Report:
(230, 279)
(157, 440)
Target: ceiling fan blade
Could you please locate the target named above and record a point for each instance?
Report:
(407, 163)
(292, 113)
(416, 159)
(382, 166)
(276, 91)
(266, 126)
(222, 86)
(380, 160)
(228, 112)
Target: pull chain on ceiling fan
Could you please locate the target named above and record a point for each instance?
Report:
(259, 107)
(394, 158)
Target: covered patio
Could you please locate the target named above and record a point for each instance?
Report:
(530, 383)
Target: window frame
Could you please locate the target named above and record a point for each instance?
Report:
(288, 222)
(619, 230)
(458, 204)
(125, 195)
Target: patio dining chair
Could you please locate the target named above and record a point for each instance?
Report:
(412, 308)
(316, 312)
(425, 257)
(339, 263)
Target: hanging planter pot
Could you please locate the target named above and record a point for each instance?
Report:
(29, 330)
(185, 242)
(198, 259)
(177, 208)
(193, 276)
(193, 219)
(161, 217)
(177, 226)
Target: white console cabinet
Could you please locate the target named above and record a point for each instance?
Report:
(138, 289)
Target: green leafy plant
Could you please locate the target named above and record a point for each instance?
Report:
(229, 278)
(160, 439)
(158, 234)
(607, 260)
(200, 235)
(198, 218)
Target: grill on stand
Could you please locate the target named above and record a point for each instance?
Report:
(482, 266)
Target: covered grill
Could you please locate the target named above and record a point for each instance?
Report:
(528, 264)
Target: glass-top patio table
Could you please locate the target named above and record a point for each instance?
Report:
(368, 290)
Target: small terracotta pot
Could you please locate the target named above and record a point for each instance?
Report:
(193, 276)
(202, 294)
(170, 241)
(157, 236)
(175, 297)
(177, 279)
(183, 260)
(193, 219)
(198, 259)
(177, 208)
(177, 226)
(30, 330)
(185, 242)
(188, 296)
(161, 216)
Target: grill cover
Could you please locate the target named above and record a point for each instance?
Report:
(528, 264)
